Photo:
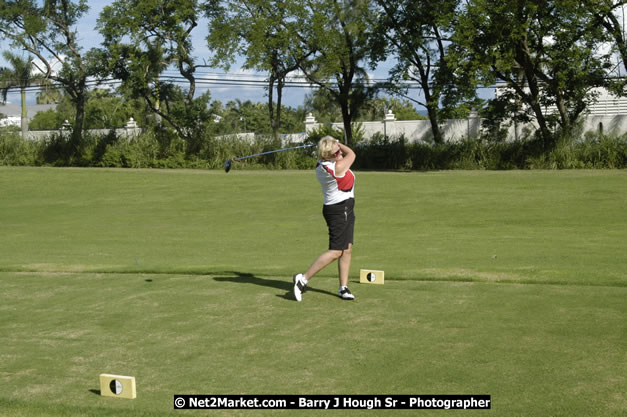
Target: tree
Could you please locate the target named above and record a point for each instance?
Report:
(605, 15)
(107, 110)
(321, 103)
(49, 95)
(373, 109)
(237, 116)
(143, 39)
(417, 34)
(104, 110)
(20, 75)
(262, 31)
(544, 51)
(52, 119)
(338, 32)
(48, 32)
(378, 107)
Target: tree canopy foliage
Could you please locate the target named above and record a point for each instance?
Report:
(19, 75)
(550, 57)
(265, 33)
(47, 30)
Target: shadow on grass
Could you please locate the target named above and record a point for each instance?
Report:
(285, 285)
(95, 391)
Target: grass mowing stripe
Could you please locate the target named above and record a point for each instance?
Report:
(558, 227)
(451, 278)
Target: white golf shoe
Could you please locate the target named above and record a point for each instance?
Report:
(299, 286)
(345, 293)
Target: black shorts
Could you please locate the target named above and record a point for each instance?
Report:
(340, 220)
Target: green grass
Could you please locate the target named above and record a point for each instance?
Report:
(511, 284)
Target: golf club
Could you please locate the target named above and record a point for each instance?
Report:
(227, 164)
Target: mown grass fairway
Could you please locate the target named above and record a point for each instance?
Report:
(511, 284)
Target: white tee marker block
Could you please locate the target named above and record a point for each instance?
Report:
(117, 386)
(371, 276)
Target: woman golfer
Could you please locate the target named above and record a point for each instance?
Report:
(338, 187)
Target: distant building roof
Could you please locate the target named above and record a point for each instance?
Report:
(10, 121)
(605, 103)
(12, 109)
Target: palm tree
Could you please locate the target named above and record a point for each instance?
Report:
(19, 75)
(49, 95)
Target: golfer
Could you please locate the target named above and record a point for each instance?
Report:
(338, 187)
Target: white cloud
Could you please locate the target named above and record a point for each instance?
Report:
(40, 68)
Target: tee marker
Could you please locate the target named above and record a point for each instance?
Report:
(117, 386)
(371, 276)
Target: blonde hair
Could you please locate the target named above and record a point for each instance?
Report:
(325, 147)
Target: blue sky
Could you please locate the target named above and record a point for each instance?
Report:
(89, 38)
(293, 97)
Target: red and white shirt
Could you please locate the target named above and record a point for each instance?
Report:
(335, 189)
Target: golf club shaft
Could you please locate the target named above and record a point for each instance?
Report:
(278, 150)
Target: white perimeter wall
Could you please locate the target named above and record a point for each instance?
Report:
(457, 129)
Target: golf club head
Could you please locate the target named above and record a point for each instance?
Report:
(227, 165)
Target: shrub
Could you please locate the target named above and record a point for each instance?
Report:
(602, 151)
(325, 130)
(138, 152)
(14, 150)
(162, 149)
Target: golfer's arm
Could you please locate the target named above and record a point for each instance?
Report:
(344, 165)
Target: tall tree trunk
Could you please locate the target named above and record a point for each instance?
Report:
(271, 104)
(79, 121)
(276, 123)
(615, 29)
(344, 86)
(346, 119)
(528, 67)
(532, 99)
(432, 113)
(24, 121)
(431, 102)
(548, 140)
(157, 115)
(567, 124)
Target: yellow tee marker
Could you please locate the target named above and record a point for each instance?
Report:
(371, 276)
(117, 386)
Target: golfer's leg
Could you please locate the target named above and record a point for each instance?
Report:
(323, 260)
(344, 265)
